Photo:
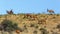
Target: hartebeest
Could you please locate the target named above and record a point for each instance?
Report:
(50, 11)
(10, 12)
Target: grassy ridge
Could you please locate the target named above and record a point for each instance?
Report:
(30, 22)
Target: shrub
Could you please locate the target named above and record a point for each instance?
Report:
(54, 17)
(54, 32)
(32, 25)
(9, 26)
(57, 14)
(25, 29)
(35, 32)
(21, 29)
(43, 31)
(25, 26)
(58, 26)
(42, 21)
(36, 26)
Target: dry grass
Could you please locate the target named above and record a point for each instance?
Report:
(38, 20)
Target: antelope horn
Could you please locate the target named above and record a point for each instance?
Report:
(47, 10)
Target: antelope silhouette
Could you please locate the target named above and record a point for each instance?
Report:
(10, 12)
(50, 11)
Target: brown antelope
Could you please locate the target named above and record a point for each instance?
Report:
(10, 12)
(50, 11)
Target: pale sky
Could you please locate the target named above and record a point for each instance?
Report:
(29, 6)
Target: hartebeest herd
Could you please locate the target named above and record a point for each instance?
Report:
(29, 15)
(50, 11)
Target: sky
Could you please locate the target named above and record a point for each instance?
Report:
(29, 6)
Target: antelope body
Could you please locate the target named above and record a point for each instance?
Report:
(50, 11)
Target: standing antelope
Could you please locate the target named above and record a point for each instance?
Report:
(10, 12)
(50, 11)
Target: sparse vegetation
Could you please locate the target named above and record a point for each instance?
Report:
(9, 26)
(42, 21)
(32, 25)
(25, 28)
(29, 23)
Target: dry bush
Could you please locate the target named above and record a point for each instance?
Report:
(32, 25)
(42, 21)
(35, 32)
(54, 32)
(9, 26)
(44, 31)
(58, 26)
(36, 26)
(30, 17)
